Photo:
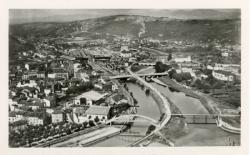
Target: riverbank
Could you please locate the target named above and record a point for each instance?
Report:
(176, 126)
(212, 105)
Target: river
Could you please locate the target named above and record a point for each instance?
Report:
(195, 135)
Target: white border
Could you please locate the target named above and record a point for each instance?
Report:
(109, 4)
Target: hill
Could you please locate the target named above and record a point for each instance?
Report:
(227, 30)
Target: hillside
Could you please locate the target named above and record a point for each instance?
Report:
(152, 27)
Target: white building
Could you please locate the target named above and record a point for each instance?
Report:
(102, 112)
(224, 54)
(27, 66)
(33, 120)
(57, 117)
(79, 115)
(90, 96)
(98, 86)
(114, 87)
(233, 68)
(13, 117)
(126, 54)
(31, 83)
(12, 105)
(183, 59)
(223, 75)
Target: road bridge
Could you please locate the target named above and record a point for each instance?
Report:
(146, 63)
(131, 118)
(202, 118)
(140, 75)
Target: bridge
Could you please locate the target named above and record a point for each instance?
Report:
(140, 75)
(130, 118)
(164, 102)
(146, 63)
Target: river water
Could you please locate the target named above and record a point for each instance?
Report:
(196, 135)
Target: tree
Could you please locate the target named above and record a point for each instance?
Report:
(85, 124)
(135, 101)
(171, 73)
(150, 129)
(91, 123)
(147, 92)
(96, 119)
(159, 67)
(177, 77)
(169, 56)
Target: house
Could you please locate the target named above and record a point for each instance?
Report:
(49, 101)
(225, 54)
(35, 120)
(18, 125)
(223, 75)
(79, 115)
(12, 104)
(94, 73)
(15, 116)
(58, 73)
(110, 86)
(47, 91)
(76, 67)
(125, 54)
(49, 111)
(102, 80)
(57, 117)
(182, 59)
(81, 74)
(30, 83)
(35, 105)
(33, 74)
(98, 86)
(101, 112)
(118, 98)
(88, 97)
(188, 70)
(27, 66)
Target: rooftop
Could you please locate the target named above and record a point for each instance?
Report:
(92, 95)
(98, 110)
(68, 57)
(59, 70)
(223, 72)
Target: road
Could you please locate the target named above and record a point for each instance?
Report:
(165, 103)
(91, 137)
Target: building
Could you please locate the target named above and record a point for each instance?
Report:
(101, 112)
(233, 68)
(223, 75)
(79, 115)
(35, 120)
(225, 54)
(126, 54)
(31, 83)
(58, 73)
(57, 117)
(33, 74)
(88, 97)
(49, 101)
(12, 105)
(182, 59)
(18, 125)
(14, 117)
(81, 74)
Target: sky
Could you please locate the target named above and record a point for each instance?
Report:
(64, 15)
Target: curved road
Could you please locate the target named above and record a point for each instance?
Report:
(167, 116)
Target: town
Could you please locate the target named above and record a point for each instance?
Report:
(65, 86)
